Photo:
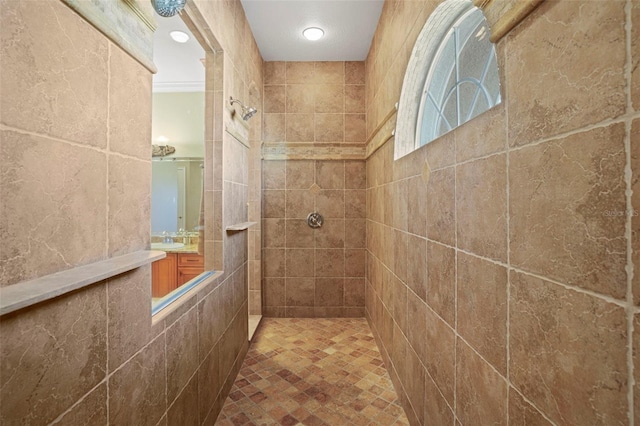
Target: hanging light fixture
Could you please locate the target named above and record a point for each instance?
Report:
(168, 8)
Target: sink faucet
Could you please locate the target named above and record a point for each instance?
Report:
(166, 238)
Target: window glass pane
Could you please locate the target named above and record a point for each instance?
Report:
(462, 81)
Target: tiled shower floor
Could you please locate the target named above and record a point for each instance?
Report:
(313, 372)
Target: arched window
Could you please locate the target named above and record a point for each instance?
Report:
(451, 78)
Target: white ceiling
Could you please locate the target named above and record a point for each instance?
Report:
(179, 64)
(277, 26)
(348, 25)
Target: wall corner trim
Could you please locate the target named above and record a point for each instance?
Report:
(28, 293)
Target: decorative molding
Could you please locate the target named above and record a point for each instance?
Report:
(313, 151)
(382, 133)
(170, 87)
(504, 15)
(128, 23)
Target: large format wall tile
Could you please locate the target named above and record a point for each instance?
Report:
(522, 413)
(568, 352)
(571, 56)
(129, 97)
(50, 85)
(182, 353)
(91, 410)
(129, 205)
(56, 217)
(635, 55)
(481, 186)
(482, 308)
(567, 201)
(481, 392)
(441, 287)
(635, 207)
(51, 355)
(440, 206)
(129, 315)
(141, 401)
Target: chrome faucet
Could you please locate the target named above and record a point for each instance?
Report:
(166, 238)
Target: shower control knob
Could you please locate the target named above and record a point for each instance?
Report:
(314, 220)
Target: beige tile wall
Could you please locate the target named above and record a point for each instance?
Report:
(503, 285)
(314, 272)
(75, 129)
(314, 102)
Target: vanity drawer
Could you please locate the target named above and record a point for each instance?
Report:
(190, 259)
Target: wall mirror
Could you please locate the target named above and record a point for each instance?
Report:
(178, 161)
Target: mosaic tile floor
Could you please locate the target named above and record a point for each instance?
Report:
(313, 372)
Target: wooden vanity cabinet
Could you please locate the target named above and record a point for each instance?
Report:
(173, 271)
(163, 273)
(190, 265)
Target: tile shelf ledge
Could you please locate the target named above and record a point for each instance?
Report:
(240, 226)
(28, 293)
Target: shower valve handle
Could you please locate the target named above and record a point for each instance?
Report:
(314, 220)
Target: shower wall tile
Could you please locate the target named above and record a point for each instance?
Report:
(324, 103)
(508, 194)
(273, 127)
(299, 261)
(75, 189)
(635, 55)
(482, 308)
(441, 286)
(546, 105)
(68, 228)
(130, 91)
(481, 392)
(329, 98)
(354, 72)
(128, 324)
(635, 207)
(182, 354)
(573, 188)
(552, 327)
(274, 99)
(440, 206)
(129, 205)
(440, 341)
(274, 72)
(52, 355)
(62, 85)
(299, 99)
(92, 409)
(522, 413)
(484, 190)
(354, 99)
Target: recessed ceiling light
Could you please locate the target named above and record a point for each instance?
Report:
(313, 33)
(179, 36)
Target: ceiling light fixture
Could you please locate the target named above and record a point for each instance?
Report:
(313, 33)
(179, 36)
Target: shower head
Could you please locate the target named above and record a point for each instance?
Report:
(168, 8)
(247, 112)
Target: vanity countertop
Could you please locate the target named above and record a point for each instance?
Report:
(191, 248)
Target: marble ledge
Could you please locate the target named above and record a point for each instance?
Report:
(240, 226)
(28, 293)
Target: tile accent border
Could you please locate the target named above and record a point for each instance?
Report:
(128, 23)
(27, 293)
(313, 151)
